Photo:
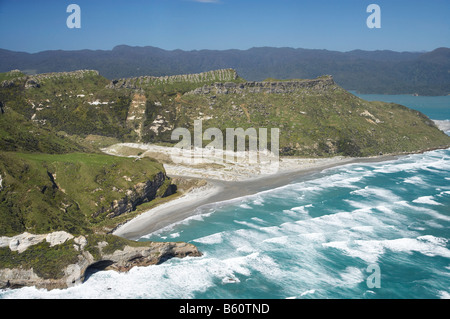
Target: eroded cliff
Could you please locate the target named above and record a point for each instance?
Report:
(60, 260)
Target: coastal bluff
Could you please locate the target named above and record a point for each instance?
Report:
(60, 260)
(222, 75)
(266, 87)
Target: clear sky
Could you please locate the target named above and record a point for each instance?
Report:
(406, 25)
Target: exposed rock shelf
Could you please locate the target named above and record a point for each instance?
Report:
(271, 87)
(222, 75)
(53, 269)
(33, 81)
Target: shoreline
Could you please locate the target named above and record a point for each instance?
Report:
(222, 191)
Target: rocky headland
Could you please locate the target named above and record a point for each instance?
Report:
(60, 260)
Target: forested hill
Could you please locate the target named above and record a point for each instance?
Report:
(384, 72)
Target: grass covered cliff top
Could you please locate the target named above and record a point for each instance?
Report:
(55, 178)
(75, 192)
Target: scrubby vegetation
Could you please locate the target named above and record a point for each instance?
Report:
(74, 103)
(51, 125)
(74, 192)
(313, 122)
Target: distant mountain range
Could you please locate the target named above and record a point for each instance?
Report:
(383, 72)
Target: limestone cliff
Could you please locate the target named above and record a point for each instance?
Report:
(33, 81)
(223, 75)
(66, 259)
(140, 193)
(267, 87)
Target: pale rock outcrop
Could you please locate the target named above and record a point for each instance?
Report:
(58, 238)
(34, 81)
(269, 87)
(21, 242)
(139, 194)
(136, 83)
(122, 259)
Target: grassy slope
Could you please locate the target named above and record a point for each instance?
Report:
(170, 98)
(62, 103)
(19, 134)
(8, 76)
(312, 122)
(56, 181)
(82, 183)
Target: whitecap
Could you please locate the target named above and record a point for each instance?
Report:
(368, 229)
(351, 276)
(378, 193)
(259, 201)
(424, 210)
(245, 223)
(308, 292)
(370, 250)
(434, 240)
(444, 294)
(283, 240)
(415, 180)
(416, 226)
(369, 253)
(196, 217)
(426, 200)
(430, 161)
(230, 280)
(358, 204)
(313, 237)
(216, 238)
(301, 209)
(271, 229)
(443, 125)
(259, 220)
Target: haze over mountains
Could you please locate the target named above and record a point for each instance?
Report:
(383, 72)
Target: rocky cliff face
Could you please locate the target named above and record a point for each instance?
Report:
(139, 194)
(223, 75)
(33, 81)
(87, 252)
(270, 87)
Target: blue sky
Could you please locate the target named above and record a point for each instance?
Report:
(38, 25)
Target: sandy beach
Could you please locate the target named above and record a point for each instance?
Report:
(220, 190)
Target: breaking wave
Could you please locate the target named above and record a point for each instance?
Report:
(310, 239)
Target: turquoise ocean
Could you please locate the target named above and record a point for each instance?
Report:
(332, 234)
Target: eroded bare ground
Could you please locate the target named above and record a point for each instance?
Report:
(219, 166)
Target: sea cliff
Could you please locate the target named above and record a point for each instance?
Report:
(60, 260)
